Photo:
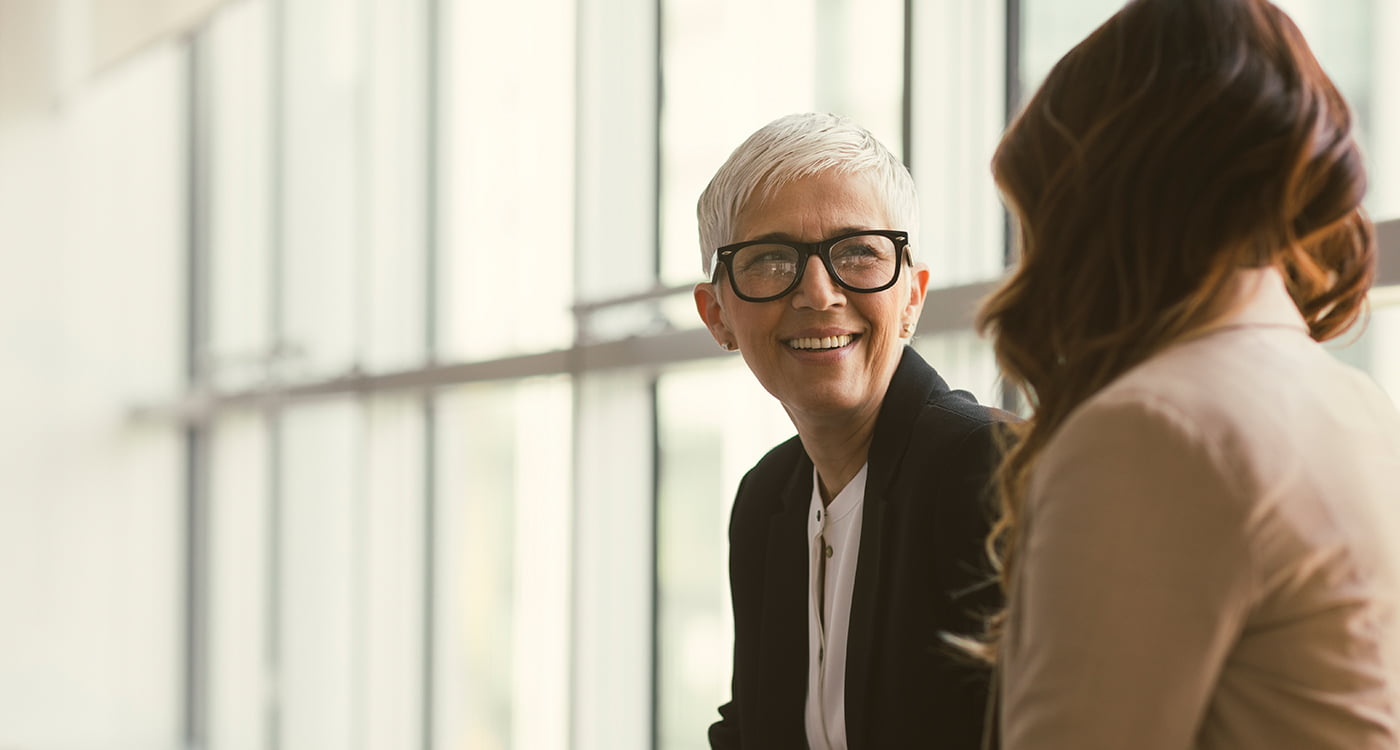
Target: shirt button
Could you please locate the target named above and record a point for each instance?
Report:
(828, 550)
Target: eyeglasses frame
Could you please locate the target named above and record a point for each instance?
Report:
(806, 250)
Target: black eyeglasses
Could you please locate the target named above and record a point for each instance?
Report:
(865, 261)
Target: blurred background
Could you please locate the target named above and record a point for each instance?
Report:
(352, 394)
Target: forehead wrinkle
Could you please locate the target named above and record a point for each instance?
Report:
(809, 225)
(788, 237)
(850, 205)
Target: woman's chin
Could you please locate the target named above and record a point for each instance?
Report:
(833, 403)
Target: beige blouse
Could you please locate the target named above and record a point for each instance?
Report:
(1212, 553)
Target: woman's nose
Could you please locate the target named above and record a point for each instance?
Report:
(817, 289)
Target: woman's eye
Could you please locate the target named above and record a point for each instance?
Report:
(767, 261)
(769, 266)
(855, 251)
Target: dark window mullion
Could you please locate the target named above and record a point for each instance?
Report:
(1010, 397)
(432, 250)
(195, 675)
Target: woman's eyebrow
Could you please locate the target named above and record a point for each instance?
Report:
(785, 237)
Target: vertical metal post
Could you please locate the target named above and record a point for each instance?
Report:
(196, 545)
(657, 175)
(1013, 104)
(432, 144)
(655, 398)
(1013, 57)
(1010, 397)
(274, 706)
(907, 103)
(657, 146)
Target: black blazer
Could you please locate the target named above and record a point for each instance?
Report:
(921, 571)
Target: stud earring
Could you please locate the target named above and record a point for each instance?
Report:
(725, 345)
(908, 328)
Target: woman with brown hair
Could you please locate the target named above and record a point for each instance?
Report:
(1200, 540)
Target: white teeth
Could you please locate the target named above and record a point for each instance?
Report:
(825, 342)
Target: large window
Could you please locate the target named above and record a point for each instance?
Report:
(459, 455)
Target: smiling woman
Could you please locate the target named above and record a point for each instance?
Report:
(805, 232)
(790, 344)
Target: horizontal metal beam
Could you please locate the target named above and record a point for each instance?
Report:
(953, 308)
(1388, 241)
(651, 295)
(651, 351)
(945, 310)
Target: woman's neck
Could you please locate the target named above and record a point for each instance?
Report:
(838, 446)
(1251, 297)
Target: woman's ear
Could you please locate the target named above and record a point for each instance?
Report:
(711, 311)
(918, 287)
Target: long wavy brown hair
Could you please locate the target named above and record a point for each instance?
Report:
(1182, 140)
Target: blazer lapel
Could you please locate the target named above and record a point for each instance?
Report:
(784, 652)
(862, 624)
(910, 388)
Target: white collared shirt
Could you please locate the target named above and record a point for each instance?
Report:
(833, 544)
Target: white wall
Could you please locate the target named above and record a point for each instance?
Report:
(91, 260)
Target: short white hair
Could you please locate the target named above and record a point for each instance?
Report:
(791, 148)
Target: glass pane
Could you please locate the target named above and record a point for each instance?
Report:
(390, 553)
(957, 105)
(1384, 332)
(93, 209)
(965, 361)
(1382, 132)
(353, 186)
(1049, 29)
(730, 66)
(503, 560)
(395, 153)
(339, 623)
(321, 184)
(238, 90)
(707, 443)
(319, 568)
(240, 548)
(614, 616)
(1376, 347)
(508, 157)
(1353, 43)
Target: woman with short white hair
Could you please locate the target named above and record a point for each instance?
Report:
(856, 543)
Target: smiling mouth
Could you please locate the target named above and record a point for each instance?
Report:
(821, 344)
